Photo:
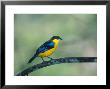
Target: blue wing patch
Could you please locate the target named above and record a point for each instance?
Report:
(46, 46)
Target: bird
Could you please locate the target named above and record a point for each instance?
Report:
(46, 49)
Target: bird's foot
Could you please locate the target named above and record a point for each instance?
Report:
(42, 60)
(50, 58)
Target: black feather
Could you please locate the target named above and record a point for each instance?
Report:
(32, 58)
(46, 46)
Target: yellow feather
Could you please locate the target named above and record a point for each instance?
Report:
(50, 51)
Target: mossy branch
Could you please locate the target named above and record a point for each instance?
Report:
(56, 61)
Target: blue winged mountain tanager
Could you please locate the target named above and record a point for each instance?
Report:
(47, 48)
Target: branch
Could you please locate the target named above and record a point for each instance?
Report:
(56, 61)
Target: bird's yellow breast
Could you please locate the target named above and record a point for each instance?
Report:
(50, 51)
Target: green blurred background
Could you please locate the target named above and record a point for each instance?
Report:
(79, 34)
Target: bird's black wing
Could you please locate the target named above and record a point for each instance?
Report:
(46, 46)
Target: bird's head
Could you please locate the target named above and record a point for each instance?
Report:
(56, 38)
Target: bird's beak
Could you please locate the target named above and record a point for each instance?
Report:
(61, 39)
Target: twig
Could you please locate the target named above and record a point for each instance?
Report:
(56, 61)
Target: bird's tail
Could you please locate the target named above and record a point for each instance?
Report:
(32, 58)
